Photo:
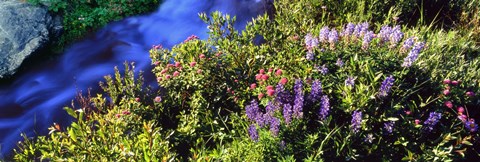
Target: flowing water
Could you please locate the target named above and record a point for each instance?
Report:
(34, 101)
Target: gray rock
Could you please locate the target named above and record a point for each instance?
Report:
(24, 30)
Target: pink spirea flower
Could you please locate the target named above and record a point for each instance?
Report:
(460, 110)
(126, 112)
(417, 121)
(270, 92)
(199, 71)
(278, 72)
(158, 99)
(270, 70)
(258, 76)
(253, 86)
(265, 77)
(176, 73)
(470, 94)
(446, 81)
(202, 56)
(446, 92)
(260, 96)
(261, 71)
(178, 64)
(449, 104)
(159, 79)
(156, 63)
(283, 81)
(455, 83)
(192, 64)
(168, 77)
(269, 87)
(137, 99)
(163, 71)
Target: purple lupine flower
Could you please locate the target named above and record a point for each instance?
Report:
(310, 55)
(324, 69)
(298, 102)
(386, 86)
(324, 107)
(388, 127)
(282, 145)
(363, 29)
(384, 33)
(287, 113)
(333, 36)
(413, 55)
(432, 120)
(316, 91)
(310, 41)
(356, 121)
(348, 30)
(369, 138)
(271, 108)
(262, 119)
(350, 81)
(252, 110)
(252, 131)
(367, 38)
(274, 126)
(282, 96)
(471, 126)
(339, 62)
(357, 30)
(324, 33)
(407, 44)
(395, 36)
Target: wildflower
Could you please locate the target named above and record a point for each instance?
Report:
(324, 33)
(395, 36)
(386, 86)
(462, 117)
(470, 94)
(253, 86)
(449, 104)
(176, 73)
(199, 71)
(413, 55)
(369, 138)
(274, 126)
(278, 72)
(447, 81)
(178, 64)
(252, 131)
(460, 110)
(384, 33)
(348, 30)
(446, 92)
(471, 126)
(408, 112)
(332, 38)
(298, 103)
(407, 44)
(417, 121)
(192, 37)
(316, 91)
(168, 77)
(310, 55)
(282, 96)
(324, 107)
(260, 96)
(265, 77)
(454, 83)
(339, 62)
(350, 81)
(283, 81)
(261, 71)
(432, 121)
(356, 121)
(137, 99)
(323, 69)
(158, 99)
(367, 38)
(202, 56)
(252, 110)
(270, 92)
(192, 64)
(310, 41)
(287, 113)
(388, 127)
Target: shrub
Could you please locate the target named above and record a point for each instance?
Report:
(292, 88)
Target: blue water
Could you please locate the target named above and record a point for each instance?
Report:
(35, 100)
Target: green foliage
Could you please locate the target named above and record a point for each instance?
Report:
(203, 110)
(85, 16)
